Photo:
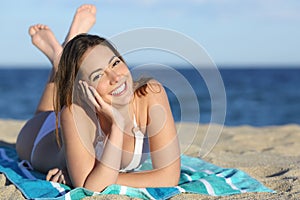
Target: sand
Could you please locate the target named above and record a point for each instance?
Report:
(269, 154)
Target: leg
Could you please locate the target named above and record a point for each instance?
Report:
(84, 19)
(47, 154)
(44, 39)
(28, 134)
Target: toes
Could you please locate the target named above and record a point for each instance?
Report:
(37, 27)
(42, 26)
(31, 30)
(88, 7)
(93, 9)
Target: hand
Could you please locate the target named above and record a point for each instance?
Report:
(100, 105)
(58, 176)
(85, 95)
(94, 99)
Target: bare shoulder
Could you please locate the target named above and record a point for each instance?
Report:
(151, 94)
(156, 92)
(149, 89)
(65, 113)
(155, 87)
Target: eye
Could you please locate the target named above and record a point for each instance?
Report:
(116, 62)
(96, 77)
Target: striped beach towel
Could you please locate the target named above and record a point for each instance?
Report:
(197, 176)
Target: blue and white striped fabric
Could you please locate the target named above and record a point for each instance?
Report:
(197, 176)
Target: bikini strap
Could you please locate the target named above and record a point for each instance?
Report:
(138, 147)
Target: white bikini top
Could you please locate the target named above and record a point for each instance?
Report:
(138, 157)
(141, 147)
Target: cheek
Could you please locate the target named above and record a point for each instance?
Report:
(101, 88)
(125, 71)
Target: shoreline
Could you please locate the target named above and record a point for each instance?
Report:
(270, 154)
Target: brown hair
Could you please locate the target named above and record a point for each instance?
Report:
(68, 67)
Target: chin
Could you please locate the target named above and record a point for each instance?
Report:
(120, 102)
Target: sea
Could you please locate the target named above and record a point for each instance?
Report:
(255, 96)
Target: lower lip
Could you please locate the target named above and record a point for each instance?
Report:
(121, 92)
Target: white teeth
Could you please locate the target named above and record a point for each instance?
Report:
(119, 89)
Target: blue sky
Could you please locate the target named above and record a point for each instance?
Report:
(233, 32)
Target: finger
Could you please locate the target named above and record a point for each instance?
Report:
(55, 178)
(84, 89)
(81, 87)
(51, 173)
(91, 96)
(62, 179)
(85, 93)
(96, 95)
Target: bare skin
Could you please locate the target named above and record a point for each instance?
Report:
(87, 171)
(43, 38)
(84, 19)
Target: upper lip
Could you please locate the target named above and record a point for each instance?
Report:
(124, 82)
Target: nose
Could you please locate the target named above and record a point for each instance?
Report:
(113, 76)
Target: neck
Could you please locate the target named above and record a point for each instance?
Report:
(127, 111)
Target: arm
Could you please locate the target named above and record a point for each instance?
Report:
(84, 170)
(165, 153)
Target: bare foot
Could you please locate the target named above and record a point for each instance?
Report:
(84, 19)
(43, 38)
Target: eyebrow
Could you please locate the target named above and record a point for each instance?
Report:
(100, 69)
(112, 59)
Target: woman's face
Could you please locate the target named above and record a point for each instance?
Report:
(103, 70)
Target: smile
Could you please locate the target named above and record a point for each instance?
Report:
(120, 90)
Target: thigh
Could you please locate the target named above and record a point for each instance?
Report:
(28, 134)
(47, 154)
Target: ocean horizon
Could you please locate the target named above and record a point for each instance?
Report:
(255, 96)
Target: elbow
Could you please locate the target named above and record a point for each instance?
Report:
(174, 179)
(77, 185)
(98, 188)
(88, 184)
(173, 176)
(99, 179)
(171, 180)
(177, 179)
(93, 183)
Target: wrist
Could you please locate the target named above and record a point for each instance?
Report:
(118, 126)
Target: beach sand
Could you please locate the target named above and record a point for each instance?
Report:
(269, 154)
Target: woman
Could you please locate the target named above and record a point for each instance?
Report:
(106, 123)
